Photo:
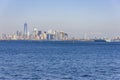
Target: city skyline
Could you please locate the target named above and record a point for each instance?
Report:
(76, 17)
(35, 34)
(52, 35)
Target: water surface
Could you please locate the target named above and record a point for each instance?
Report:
(39, 60)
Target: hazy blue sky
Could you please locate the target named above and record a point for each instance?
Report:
(73, 16)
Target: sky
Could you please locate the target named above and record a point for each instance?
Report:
(100, 18)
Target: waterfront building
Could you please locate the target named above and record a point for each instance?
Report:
(19, 35)
(50, 36)
(35, 31)
(39, 33)
(35, 34)
(4, 37)
(63, 36)
(25, 29)
(57, 37)
(13, 37)
(44, 36)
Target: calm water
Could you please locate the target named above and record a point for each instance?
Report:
(34, 60)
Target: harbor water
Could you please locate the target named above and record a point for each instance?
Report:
(57, 60)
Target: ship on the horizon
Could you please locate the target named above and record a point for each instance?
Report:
(100, 40)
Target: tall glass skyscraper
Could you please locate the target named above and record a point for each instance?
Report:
(25, 29)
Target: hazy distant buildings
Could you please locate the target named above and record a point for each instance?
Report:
(57, 35)
(61, 35)
(35, 35)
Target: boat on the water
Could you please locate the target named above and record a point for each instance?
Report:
(99, 40)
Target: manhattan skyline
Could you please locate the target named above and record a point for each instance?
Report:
(100, 18)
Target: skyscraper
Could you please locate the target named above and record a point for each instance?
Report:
(25, 29)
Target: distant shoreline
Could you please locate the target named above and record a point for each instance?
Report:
(73, 41)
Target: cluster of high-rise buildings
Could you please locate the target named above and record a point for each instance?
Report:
(51, 35)
(35, 35)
